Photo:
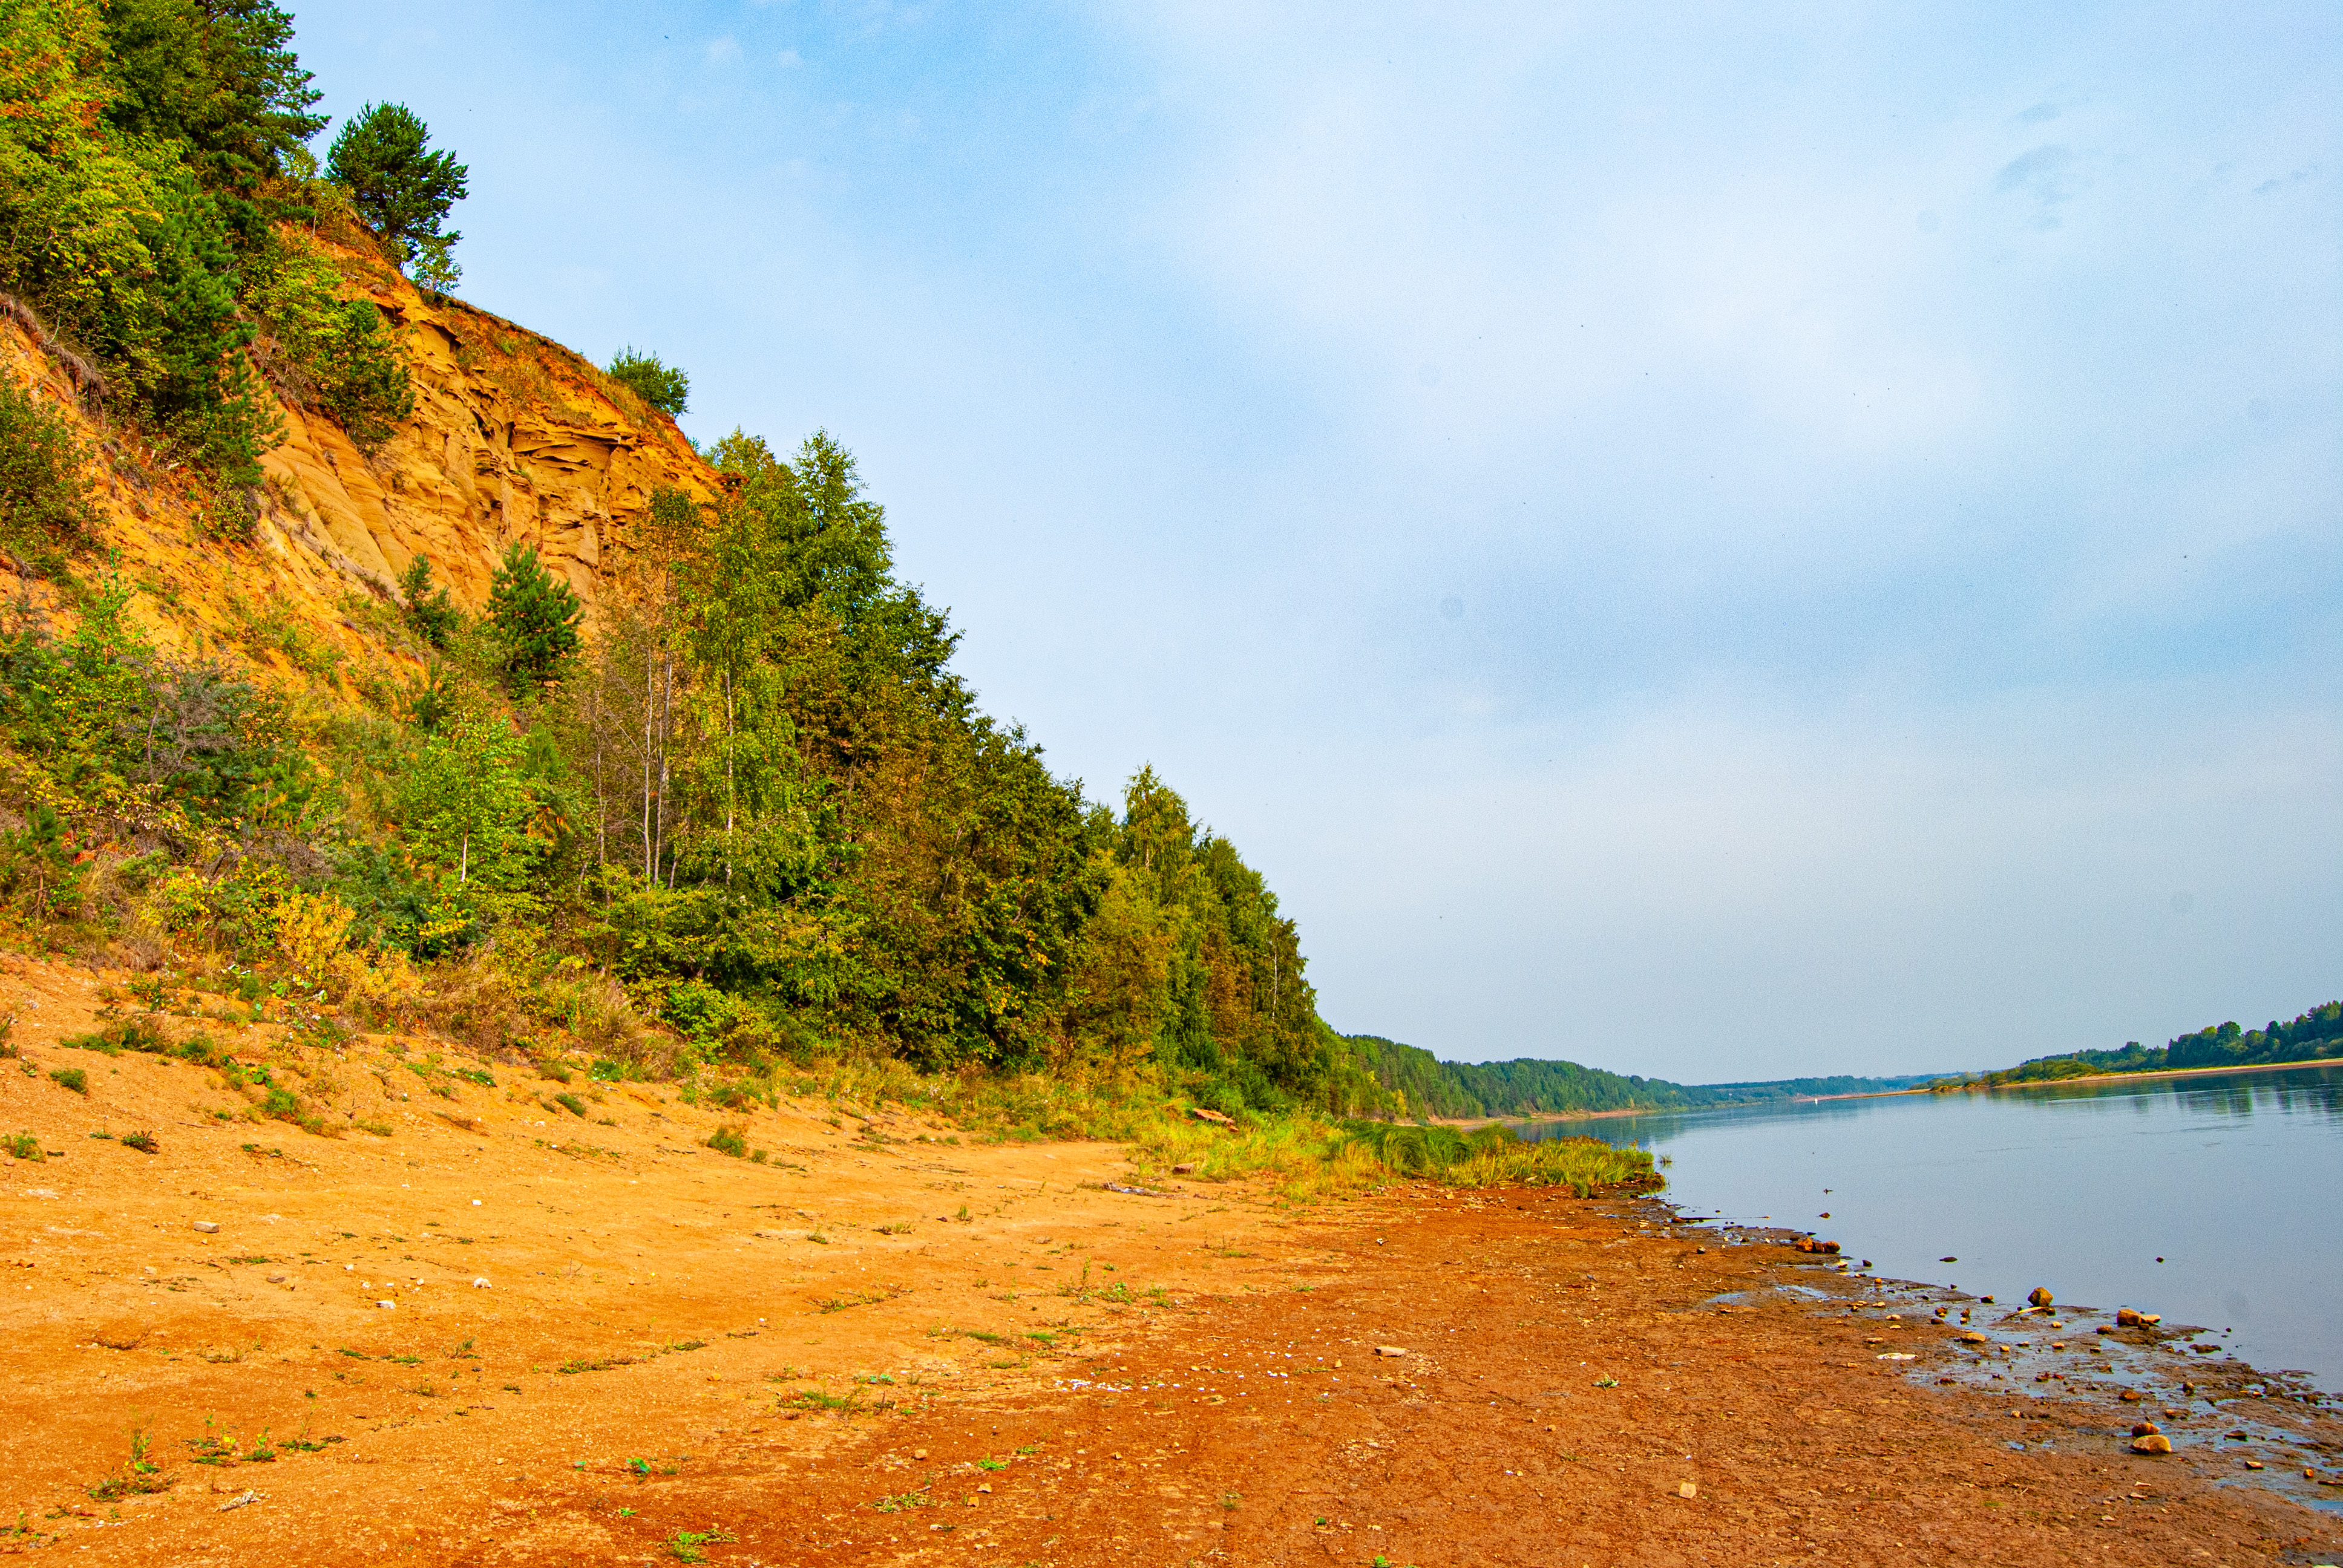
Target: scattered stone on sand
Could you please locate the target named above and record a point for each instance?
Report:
(2038, 1297)
(1686, 1488)
(2145, 1428)
(2129, 1318)
(2154, 1442)
(1972, 1337)
(1389, 1351)
(208, 1227)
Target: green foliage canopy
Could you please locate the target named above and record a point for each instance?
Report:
(2315, 1035)
(662, 386)
(218, 76)
(45, 498)
(401, 188)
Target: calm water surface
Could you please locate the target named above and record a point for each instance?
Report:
(2235, 1181)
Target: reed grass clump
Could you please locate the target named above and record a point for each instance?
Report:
(1307, 1159)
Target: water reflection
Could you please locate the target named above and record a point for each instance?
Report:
(2310, 1091)
(2198, 1197)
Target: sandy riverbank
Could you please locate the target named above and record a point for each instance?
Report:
(883, 1347)
(2135, 1077)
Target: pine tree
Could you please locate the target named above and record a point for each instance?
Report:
(535, 618)
(400, 187)
(429, 611)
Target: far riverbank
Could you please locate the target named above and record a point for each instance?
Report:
(1546, 1118)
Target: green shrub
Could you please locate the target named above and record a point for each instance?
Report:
(664, 386)
(328, 352)
(25, 1146)
(728, 1140)
(45, 498)
(72, 1078)
(117, 726)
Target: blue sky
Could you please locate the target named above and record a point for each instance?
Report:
(1711, 543)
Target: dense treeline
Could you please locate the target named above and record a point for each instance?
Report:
(2316, 1035)
(753, 816)
(1431, 1088)
(1428, 1087)
(1802, 1088)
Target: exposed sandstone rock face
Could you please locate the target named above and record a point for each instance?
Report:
(514, 439)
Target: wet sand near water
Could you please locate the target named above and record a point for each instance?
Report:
(682, 1356)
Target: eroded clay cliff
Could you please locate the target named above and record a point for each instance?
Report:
(514, 439)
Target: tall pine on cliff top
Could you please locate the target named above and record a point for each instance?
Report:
(401, 188)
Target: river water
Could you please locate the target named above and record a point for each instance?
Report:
(2214, 1200)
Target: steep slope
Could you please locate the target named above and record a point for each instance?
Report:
(514, 439)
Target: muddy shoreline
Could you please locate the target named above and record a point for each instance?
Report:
(885, 1346)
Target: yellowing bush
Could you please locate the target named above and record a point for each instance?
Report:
(311, 929)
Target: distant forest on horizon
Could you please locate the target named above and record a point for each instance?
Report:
(1527, 1086)
(2315, 1035)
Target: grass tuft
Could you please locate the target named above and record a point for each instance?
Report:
(137, 1476)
